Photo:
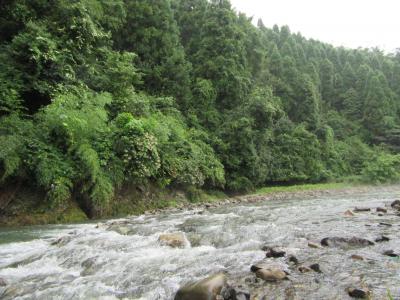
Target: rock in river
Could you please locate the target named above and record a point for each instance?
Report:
(303, 269)
(358, 293)
(3, 282)
(390, 253)
(313, 245)
(395, 204)
(271, 274)
(174, 240)
(381, 209)
(382, 239)
(348, 213)
(206, 289)
(316, 268)
(357, 257)
(345, 242)
(275, 253)
(268, 272)
(362, 209)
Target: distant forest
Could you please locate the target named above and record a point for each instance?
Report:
(185, 94)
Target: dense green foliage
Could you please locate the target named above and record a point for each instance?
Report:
(98, 94)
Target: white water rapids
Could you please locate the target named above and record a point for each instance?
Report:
(91, 262)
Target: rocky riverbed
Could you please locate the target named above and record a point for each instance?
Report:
(309, 245)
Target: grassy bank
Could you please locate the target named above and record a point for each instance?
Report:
(303, 187)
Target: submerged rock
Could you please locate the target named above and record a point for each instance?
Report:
(3, 282)
(89, 266)
(275, 253)
(205, 289)
(390, 253)
(303, 269)
(357, 257)
(174, 240)
(385, 224)
(362, 209)
(230, 293)
(121, 229)
(316, 268)
(345, 242)
(382, 239)
(358, 293)
(381, 209)
(293, 259)
(62, 241)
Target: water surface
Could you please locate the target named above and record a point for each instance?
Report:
(93, 262)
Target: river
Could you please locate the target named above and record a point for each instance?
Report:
(90, 261)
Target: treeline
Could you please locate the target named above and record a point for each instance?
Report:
(188, 94)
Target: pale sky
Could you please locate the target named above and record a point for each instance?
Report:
(348, 23)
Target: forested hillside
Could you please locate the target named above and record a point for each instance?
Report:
(186, 94)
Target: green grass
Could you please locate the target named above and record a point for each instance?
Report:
(302, 187)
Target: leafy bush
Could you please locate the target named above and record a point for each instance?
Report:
(382, 168)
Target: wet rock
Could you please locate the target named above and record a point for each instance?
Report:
(357, 257)
(385, 224)
(313, 245)
(382, 239)
(271, 274)
(316, 268)
(395, 204)
(361, 209)
(358, 293)
(205, 289)
(3, 282)
(293, 259)
(381, 209)
(62, 241)
(174, 240)
(88, 266)
(303, 269)
(348, 213)
(274, 253)
(345, 242)
(121, 229)
(390, 253)
(241, 295)
(230, 293)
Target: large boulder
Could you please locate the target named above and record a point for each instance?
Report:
(345, 242)
(205, 289)
(174, 240)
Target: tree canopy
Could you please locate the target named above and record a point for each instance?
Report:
(97, 94)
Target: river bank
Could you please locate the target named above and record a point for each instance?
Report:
(323, 244)
(28, 208)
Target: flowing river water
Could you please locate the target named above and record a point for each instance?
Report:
(122, 259)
